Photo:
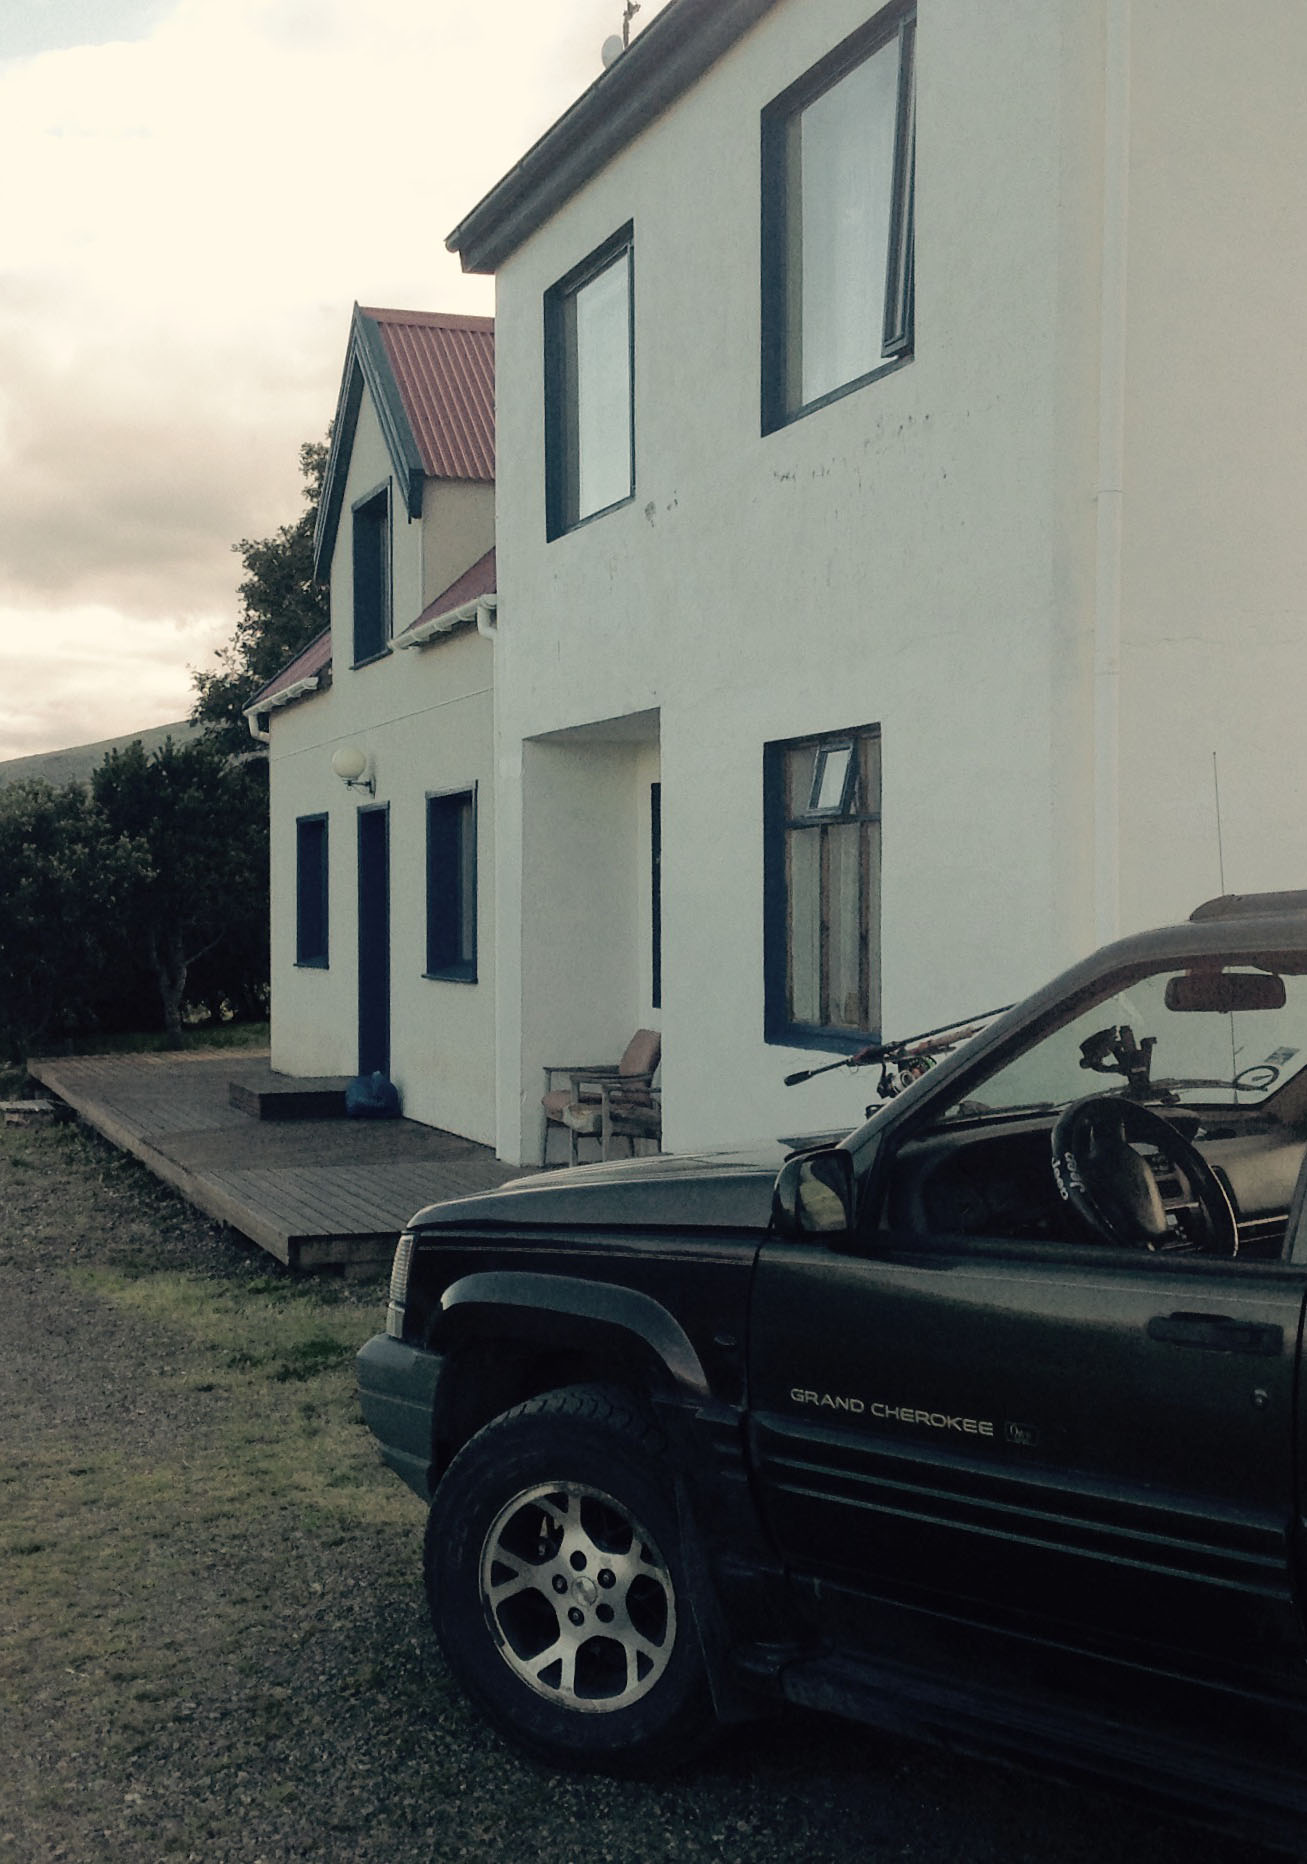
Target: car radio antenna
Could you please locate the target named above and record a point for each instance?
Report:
(1220, 868)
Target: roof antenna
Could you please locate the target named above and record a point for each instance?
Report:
(1220, 868)
(613, 47)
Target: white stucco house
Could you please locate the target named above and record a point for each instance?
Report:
(902, 426)
(380, 736)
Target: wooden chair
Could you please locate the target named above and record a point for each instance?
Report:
(627, 1113)
(579, 1107)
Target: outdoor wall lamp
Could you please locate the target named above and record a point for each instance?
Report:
(349, 763)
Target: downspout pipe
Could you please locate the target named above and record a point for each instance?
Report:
(1109, 496)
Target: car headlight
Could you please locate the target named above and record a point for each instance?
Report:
(399, 1285)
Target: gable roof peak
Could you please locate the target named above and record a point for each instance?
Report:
(431, 376)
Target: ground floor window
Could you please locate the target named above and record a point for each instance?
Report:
(452, 886)
(311, 890)
(822, 887)
(656, 892)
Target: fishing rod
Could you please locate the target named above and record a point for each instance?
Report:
(923, 1048)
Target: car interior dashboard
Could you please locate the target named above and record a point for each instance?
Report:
(993, 1177)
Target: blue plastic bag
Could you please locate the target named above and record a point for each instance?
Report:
(371, 1097)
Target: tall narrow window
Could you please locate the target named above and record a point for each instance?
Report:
(452, 887)
(311, 890)
(656, 893)
(589, 383)
(822, 888)
(837, 221)
(372, 575)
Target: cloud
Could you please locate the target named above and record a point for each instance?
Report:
(199, 209)
(81, 674)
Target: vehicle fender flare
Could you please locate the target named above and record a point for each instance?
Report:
(530, 1307)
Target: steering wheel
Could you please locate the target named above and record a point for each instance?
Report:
(1113, 1191)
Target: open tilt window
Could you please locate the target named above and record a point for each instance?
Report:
(822, 888)
(837, 168)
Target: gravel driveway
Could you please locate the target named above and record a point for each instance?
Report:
(213, 1643)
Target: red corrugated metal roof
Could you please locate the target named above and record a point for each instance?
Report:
(444, 366)
(478, 581)
(309, 661)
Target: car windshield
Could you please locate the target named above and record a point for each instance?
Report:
(1172, 1037)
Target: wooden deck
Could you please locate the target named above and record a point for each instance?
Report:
(314, 1193)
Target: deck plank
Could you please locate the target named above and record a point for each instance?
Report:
(310, 1192)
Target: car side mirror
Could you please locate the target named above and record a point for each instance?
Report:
(814, 1196)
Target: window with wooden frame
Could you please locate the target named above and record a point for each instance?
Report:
(372, 575)
(452, 887)
(822, 889)
(311, 891)
(590, 387)
(838, 153)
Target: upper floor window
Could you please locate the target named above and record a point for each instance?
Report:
(822, 888)
(589, 388)
(837, 153)
(372, 575)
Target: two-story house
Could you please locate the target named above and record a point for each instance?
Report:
(902, 455)
(380, 736)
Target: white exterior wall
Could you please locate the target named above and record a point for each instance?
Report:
(424, 716)
(888, 559)
(458, 527)
(1214, 646)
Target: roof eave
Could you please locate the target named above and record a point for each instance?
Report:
(366, 364)
(288, 695)
(670, 55)
(482, 609)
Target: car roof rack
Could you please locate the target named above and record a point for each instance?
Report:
(1250, 906)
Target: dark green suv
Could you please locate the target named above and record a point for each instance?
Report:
(985, 1423)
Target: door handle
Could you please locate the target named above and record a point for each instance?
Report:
(1217, 1333)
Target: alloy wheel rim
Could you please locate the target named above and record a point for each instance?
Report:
(578, 1597)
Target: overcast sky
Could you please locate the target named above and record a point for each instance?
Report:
(196, 192)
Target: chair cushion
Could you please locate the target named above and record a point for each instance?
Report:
(558, 1099)
(642, 1053)
(582, 1118)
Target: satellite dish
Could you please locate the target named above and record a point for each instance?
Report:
(612, 49)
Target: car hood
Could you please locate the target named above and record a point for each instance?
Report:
(714, 1191)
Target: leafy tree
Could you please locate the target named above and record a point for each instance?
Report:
(282, 609)
(196, 821)
(66, 884)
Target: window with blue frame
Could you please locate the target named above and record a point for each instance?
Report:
(311, 891)
(372, 575)
(590, 388)
(452, 887)
(838, 153)
(822, 827)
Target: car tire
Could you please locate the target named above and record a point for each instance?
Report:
(557, 1586)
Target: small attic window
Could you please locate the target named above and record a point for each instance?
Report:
(372, 576)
